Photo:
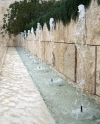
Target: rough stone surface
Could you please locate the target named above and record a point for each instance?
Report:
(45, 33)
(93, 23)
(56, 33)
(86, 69)
(69, 32)
(42, 51)
(48, 53)
(59, 51)
(69, 62)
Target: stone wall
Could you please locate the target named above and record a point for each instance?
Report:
(62, 52)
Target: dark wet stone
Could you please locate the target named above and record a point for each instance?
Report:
(94, 118)
(51, 80)
(81, 108)
(60, 85)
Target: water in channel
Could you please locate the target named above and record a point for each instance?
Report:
(62, 99)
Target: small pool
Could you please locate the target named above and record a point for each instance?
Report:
(62, 99)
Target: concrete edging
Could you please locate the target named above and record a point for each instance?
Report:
(2, 57)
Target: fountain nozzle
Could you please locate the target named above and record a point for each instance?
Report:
(81, 108)
(51, 79)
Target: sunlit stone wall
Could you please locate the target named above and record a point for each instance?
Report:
(65, 56)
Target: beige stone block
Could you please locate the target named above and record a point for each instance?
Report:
(1, 17)
(93, 23)
(1, 23)
(36, 50)
(26, 44)
(86, 68)
(0, 10)
(69, 32)
(79, 36)
(56, 33)
(31, 46)
(49, 57)
(30, 42)
(45, 33)
(69, 62)
(3, 9)
(59, 51)
(43, 51)
(61, 32)
(13, 41)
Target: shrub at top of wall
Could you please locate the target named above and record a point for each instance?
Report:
(64, 11)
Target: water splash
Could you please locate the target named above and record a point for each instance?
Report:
(81, 45)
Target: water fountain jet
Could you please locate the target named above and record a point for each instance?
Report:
(52, 24)
(39, 30)
(82, 46)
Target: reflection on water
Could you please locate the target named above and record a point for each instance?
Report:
(62, 99)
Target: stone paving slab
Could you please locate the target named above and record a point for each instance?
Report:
(20, 101)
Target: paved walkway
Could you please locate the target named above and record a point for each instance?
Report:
(20, 101)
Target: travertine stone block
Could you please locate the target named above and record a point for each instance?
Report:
(42, 51)
(56, 33)
(45, 34)
(59, 50)
(48, 53)
(69, 32)
(93, 23)
(86, 68)
(69, 62)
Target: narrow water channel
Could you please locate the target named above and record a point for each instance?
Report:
(62, 99)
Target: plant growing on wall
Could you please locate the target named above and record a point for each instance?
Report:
(98, 1)
(64, 11)
(21, 13)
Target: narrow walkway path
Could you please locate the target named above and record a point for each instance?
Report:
(20, 101)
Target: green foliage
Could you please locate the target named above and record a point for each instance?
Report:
(64, 11)
(98, 1)
(21, 13)
(23, 16)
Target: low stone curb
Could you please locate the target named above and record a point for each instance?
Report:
(2, 57)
